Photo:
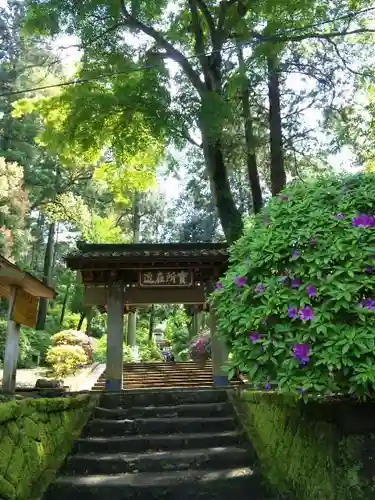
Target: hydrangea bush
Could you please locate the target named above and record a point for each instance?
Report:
(200, 348)
(297, 304)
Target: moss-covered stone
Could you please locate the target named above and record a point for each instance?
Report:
(310, 459)
(35, 437)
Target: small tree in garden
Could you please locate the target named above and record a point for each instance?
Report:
(297, 304)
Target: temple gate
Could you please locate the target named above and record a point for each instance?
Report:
(124, 277)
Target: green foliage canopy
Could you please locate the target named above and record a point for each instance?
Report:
(296, 304)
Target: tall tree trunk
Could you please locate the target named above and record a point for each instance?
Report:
(132, 316)
(63, 309)
(81, 320)
(251, 159)
(151, 323)
(229, 215)
(278, 175)
(47, 276)
(38, 244)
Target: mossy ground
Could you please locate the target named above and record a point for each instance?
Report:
(35, 437)
(302, 457)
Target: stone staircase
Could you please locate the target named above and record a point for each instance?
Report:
(162, 375)
(161, 445)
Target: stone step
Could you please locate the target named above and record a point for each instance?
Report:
(169, 364)
(157, 442)
(104, 427)
(187, 410)
(189, 378)
(221, 484)
(164, 397)
(162, 368)
(166, 367)
(156, 461)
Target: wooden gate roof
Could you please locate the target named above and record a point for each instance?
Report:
(105, 256)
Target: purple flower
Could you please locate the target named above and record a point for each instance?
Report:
(368, 304)
(301, 352)
(219, 286)
(296, 283)
(240, 281)
(306, 314)
(254, 336)
(311, 291)
(284, 280)
(267, 386)
(369, 270)
(292, 312)
(363, 220)
(300, 391)
(339, 216)
(295, 254)
(260, 288)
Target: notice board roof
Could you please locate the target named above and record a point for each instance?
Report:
(11, 275)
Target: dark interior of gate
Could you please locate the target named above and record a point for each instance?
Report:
(118, 278)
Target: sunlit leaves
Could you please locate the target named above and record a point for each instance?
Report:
(68, 208)
(103, 230)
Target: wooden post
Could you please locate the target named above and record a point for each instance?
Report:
(219, 351)
(12, 345)
(115, 322)
(132, 328)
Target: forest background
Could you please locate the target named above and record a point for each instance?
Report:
(144, 121)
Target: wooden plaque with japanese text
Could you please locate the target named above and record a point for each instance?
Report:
(167, 278)
(25, 308)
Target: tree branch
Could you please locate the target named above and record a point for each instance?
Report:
(344, 63)
(209, 19)
(170, 50)
(319, 36)
(198, 35)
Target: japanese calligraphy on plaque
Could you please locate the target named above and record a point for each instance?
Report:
(166, 278)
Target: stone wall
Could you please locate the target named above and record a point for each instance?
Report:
(304, 453)
(35, 437)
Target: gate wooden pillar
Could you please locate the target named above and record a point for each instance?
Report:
(132, 327)
(115, 325)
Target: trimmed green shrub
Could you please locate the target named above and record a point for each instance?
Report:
(100, 349)
(71, 320)
(297, 303)
(74, 338)
(66, 359)
(149, 352)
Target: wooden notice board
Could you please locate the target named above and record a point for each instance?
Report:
(25, 308)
